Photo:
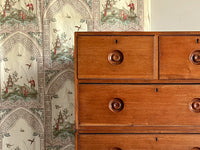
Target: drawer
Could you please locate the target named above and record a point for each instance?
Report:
(139, 142)
(179, 57)
(138, 105)
(115, 57)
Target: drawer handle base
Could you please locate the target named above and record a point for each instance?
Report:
(115, 57)
(116, 105)
(195, 57)
(195, 105)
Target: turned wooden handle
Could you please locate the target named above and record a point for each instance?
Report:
(195, 105)
(116, 105)
(195, 57)
(115, 57)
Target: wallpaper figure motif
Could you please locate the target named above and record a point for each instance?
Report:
(21, 137)
(62, 114)
(17, 11)
(21, 69)
(61, 52)
(20, 78)
(62, 27)
(63, 111)
(111, 13)
(21, 129)
(119, 15)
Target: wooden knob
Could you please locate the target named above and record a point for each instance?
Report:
(195, 148)
(115, 148)
(195, 57)
(195, 105)
(116, 105)
(115, 57)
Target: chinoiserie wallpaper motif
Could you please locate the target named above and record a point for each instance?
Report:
(37, 65)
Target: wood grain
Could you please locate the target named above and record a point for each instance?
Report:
(132, 81)
(139, 141)
(137, 90)
(175, 61)
(137, 53)
(156, 57)
(140, 129)
(144, 105)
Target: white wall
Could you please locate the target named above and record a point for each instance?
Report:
(175, 15)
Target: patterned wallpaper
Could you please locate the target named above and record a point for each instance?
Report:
(37, 65)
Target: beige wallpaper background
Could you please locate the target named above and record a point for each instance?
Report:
(37, 64)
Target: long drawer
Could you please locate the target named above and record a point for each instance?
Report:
(115, 57)
(138, 105)
(139, 142)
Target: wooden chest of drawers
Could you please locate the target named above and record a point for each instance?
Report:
(137, 90)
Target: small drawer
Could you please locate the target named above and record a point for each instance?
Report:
(121, 105)
(179, 57)
(115, 57)
(139, 142)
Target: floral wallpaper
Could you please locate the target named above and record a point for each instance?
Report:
(37, 65)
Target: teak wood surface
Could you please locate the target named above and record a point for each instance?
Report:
(137, 90)
(93, 58)
(139, 142)
(175, 57)
(144, 105)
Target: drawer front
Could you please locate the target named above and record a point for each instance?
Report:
(115, 57)
(179, 57)
(139, 142)
(138, 105)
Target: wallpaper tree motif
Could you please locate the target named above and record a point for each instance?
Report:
(37, 65)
